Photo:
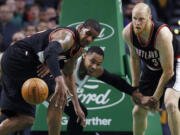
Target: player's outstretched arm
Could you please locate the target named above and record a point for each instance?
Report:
(117, 82)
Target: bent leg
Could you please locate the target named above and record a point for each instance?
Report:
(15, 123)
(54, 117)
(171, 103)
(139, 120)
(74, 128)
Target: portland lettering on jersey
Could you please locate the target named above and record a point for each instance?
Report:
(150, 57)
(150, 54)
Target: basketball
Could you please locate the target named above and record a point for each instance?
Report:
(34, 91)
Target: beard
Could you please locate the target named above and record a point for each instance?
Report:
(138, 31)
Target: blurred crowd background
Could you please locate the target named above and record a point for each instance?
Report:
(20, 18)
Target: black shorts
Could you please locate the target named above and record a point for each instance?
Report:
(11, 101)
(149, 81)
(18, 65)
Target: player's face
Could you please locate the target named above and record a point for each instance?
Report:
(87, 36)
(92, 61)
(140, 19)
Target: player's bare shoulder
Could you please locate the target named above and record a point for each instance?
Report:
(164, 36)
(64, 37)
(126, 33)
(164, 33)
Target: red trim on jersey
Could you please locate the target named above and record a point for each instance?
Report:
(79, 51)
(162, 26)
(77, 31)
(50, 35)
(131, 35)
(177, 57)
(74, 37)
(149, 38)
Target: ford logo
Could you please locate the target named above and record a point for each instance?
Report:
(96, 95)
(107, 31)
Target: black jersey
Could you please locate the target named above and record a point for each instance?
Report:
(147, 52)
(22, 58)
(39, 41)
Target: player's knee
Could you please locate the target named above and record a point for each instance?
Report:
(135, 112)
(138, 112)
(171, 106)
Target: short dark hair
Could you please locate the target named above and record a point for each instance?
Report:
(95, 49)
(93, 24)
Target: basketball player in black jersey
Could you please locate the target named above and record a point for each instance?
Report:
(58, 48)
(154, 44)
(89, 65)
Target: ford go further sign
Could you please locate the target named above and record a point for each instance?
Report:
(97, 95)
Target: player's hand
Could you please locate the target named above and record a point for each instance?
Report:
(137, 97)
(81, 116)
(150, 102)
(146, 102)
(43, 70)
(61, 93)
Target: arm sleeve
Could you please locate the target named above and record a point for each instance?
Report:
(51, 54)
(117, 82)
